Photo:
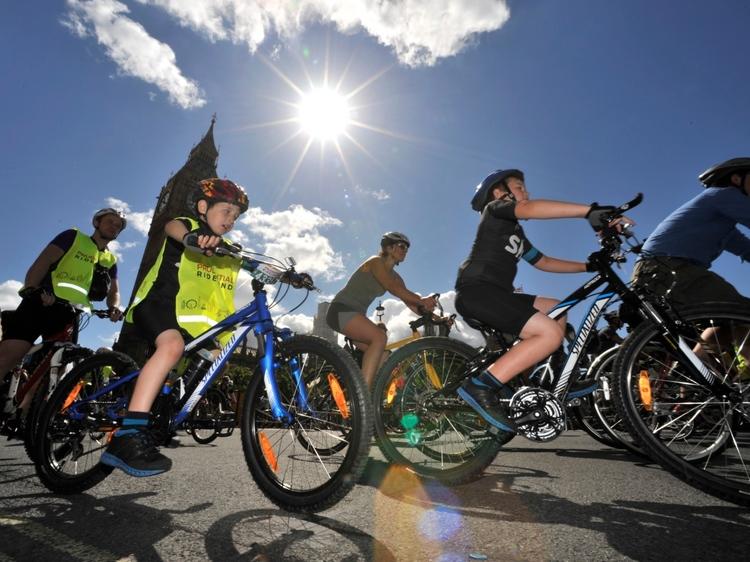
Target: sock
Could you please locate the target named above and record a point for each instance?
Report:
(486, 378)
(132, 422)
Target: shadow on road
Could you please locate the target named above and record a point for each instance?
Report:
(269, 535)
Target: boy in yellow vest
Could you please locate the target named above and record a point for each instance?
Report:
(62, 276)
(185, 292)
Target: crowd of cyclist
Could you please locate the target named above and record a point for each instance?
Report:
(189, 287)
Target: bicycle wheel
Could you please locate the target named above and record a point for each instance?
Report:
(434, 436)
(204, 419)
(71, 357)
(74, 429)
(585, 415)
(600, 407)
(702, 438)
(293, 475)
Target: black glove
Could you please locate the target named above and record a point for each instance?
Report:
(593, 261)
(26, 292)
(599, 215)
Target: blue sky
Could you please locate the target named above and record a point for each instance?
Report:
(103, 99)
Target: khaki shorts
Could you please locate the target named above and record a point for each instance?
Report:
(686, 282)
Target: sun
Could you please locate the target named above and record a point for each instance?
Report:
(323, 114)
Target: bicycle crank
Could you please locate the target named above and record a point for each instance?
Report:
(538, 415)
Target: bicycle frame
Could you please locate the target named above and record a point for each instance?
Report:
(253, 316)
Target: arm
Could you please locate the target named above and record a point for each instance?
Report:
(555, 265)
(42, 264)
(177, 230)
(394, 284)
(547, 209)
(738, 244)
(113, 300)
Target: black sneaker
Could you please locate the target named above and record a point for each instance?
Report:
(134, 452)
(486, 403)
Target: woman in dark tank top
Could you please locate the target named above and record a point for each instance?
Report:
(348, 311)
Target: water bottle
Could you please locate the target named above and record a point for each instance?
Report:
(199, 364)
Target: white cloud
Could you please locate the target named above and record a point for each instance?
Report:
(9, 294)
(420, 32)
(397, 317)
(117, 248)
(377, 194)
(298, 323)
(295, 233)
(139, 220)
(133, 50)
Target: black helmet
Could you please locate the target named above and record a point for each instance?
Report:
(109, 211)
(484, 189)
(719, 175)
(390, 238)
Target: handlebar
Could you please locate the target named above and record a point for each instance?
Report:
(266, 273)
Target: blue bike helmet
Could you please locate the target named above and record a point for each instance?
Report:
(484, 190)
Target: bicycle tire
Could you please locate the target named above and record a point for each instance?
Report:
(208, 409)
(585, 414)
(452, 446)
(702, 439)
(598, 415)
(71, 357)
(293, 476)
(69, 448)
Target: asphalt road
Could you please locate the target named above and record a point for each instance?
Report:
(571, 499)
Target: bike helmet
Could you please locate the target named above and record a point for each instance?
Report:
(391, 238)
(215, 190)
(109, 211)
(719, 175)
(483, 192)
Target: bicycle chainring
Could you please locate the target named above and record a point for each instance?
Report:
(538, 414)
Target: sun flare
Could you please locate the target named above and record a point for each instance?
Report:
(323, 114)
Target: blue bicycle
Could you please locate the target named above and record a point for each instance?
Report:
(306, 421)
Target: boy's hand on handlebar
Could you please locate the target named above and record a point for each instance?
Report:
(48, 299)
(202, 242)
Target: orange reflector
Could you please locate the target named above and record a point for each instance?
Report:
(432, 374)
(338, 395)
(268, 454)
(73, 395)
(391, 394)
(644, 386)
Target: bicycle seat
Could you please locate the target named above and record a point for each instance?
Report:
(478, 325)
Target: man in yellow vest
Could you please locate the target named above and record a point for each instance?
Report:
(60, 279)
(185, 293)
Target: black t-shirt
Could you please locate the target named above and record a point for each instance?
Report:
(166, 285)
(499, 244)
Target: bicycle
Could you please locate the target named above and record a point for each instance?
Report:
(442, 437)
(28, 386)
(293, 372)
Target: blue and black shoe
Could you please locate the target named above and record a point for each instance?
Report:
(485, 400)
(134, 451)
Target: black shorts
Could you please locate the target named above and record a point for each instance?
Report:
(687, 283)
(153, 316)
(32, 319)
(499, 308)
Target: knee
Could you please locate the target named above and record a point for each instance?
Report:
(172, 348)
(379, 339)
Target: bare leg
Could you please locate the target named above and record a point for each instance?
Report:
(540, 337)
(11, 353)
(169, 349)
(371, 339)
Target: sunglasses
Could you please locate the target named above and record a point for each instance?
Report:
(403, 245)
